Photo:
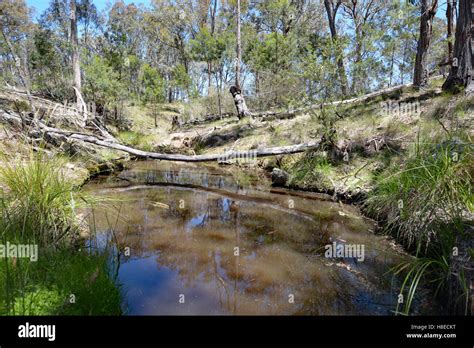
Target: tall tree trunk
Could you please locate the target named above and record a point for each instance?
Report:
(218, 87)
(209, 78)
(213, 17)
(238, 48)
(170, 95)
(21, 72)
(236, 91)
(391, 66)
(462, 69)
(428, 11)
(76, 70)
(357, 78)
(450, 9)
(404, 60)
(331, 10)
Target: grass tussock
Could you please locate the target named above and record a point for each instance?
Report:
(38, 206)
(430, 189)
(135, 139)
(312, 171)
(38, 201)
(427, 204)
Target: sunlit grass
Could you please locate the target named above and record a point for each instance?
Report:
(38, 206)
(425, 202)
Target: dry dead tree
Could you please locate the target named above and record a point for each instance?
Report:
(63, 135)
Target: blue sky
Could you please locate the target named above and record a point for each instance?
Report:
(41, 5)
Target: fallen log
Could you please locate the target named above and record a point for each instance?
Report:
(109, 143)
(286, 114)
(272, 151)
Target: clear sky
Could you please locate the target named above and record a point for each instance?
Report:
(41, 5)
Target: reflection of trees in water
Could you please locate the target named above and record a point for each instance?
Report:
(197, 241)
(206, 251)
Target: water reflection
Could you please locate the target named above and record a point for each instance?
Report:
(231, 248)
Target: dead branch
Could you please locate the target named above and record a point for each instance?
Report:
(61, 135)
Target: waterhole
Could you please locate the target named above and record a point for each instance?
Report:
(200, 239)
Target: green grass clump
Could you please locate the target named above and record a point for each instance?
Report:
(38, 201)
(312, 171)
(37, 302)
(66, 282)
(137, 140)
(425, 202)
(38, 206)
(432, 189)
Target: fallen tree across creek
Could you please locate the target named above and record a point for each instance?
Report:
(39, 129)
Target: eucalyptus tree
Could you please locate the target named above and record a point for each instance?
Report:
(15, 26)
(332, 7)
(462, 69)
(366, 19)
(236, 91)
(428, 10)
(76, 69)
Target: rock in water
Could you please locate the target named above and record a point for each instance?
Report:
(279, 177)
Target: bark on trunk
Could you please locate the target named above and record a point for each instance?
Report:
(462, 69)
(236, 90)
(238, 48)
(76, 70)
(450, 9)
(357, 78)
(331, 12)
(428, 11)
(239, 101)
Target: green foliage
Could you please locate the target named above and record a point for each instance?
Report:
(180, 78)
(207, 47)
(276, 52)
(414, 272)
(38, 302)
(425, 204)
(153, 84)
(45, 287)
(102, 84)
(312, 171)
(52, 76)
(137, 140)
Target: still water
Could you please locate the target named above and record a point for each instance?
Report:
(209, 240)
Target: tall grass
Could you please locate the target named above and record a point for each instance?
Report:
(38, 205)
(431, 189)
(62, 282)
(426, 202)
(38, 201)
